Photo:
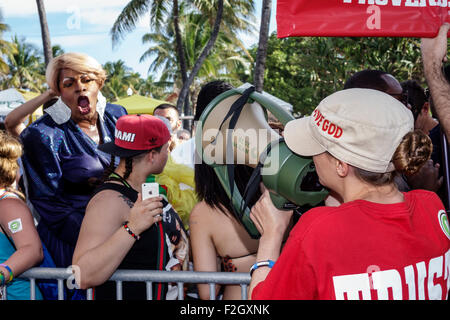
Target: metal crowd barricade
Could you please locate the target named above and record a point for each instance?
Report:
(147, 276)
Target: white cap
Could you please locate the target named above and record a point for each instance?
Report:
(362, 127)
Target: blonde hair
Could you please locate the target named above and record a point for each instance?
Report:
(411, 154)
(10, 151)
(78, 62)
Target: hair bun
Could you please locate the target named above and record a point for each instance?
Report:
(10, 151)
(413, 152)
(10, 148)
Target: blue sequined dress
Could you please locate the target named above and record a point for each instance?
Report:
(58, 161)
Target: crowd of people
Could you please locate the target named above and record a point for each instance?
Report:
(71, 193)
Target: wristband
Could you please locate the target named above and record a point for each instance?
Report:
(2, 279)
(265, 263)
(11, 275)
(135, 236)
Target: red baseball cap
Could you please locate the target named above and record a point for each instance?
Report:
(136, 134)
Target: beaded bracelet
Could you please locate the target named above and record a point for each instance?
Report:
(135, 236)
(11, 275)
(2, 279)
(266, 263)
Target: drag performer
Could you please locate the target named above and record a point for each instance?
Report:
(61, 161)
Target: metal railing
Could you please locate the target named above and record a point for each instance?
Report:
(147, 276)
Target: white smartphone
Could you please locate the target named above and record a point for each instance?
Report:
(150, 190)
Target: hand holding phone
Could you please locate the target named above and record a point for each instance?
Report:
(150, 190)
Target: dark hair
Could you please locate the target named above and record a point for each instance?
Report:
(128, 165)
(207, 185)
(367, 79)
(209, 188)
(416, 96)
(165, 106)
(446, 70)
(207, 93)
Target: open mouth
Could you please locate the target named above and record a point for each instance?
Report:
(83, 105)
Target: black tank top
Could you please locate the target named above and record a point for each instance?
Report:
(148, 253)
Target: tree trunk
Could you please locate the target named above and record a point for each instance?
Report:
(260, 65)
(44, 31)
(198, 63)
(180, 47)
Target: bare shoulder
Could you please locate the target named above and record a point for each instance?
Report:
(110, 198)
(11, 208)
(208, 219)
(105, 213)
(201, 212)
(110, 204)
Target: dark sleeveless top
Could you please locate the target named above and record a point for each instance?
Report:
(148, 253)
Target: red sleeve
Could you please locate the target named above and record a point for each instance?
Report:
(290, 278)
(293, 276)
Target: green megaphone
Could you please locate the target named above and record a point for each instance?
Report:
(233, 129)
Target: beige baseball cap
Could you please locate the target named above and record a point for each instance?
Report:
(362, 127)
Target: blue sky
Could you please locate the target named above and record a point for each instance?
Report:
(84, 25)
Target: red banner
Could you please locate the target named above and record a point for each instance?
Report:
(361, 18)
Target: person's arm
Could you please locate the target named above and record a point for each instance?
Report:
(41, 163)
(272, 225)
(434, 52)
(103, 241)
(15, 119)
(203, 250)
(18, 223)
(426, 178)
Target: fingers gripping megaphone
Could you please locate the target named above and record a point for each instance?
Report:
(233, 129)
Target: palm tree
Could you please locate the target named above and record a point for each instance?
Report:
(119, 78)
(223, 61)
(238, 17)
(44, 31)
(262, 45)
(57, 50)
(170, 12)
(6, 48)
(25, 67)
(205, 52)
(159, 10)
(154, 89)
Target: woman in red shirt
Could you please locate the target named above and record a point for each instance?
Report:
(379, 243)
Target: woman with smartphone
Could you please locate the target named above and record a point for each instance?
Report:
(121, 230)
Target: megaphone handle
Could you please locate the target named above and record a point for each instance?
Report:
(281, 114)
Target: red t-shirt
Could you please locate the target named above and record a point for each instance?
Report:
(365, 250)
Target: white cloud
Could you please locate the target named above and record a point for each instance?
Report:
(20, 8)
(106, 17)
(73, 41)
(98, 13)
